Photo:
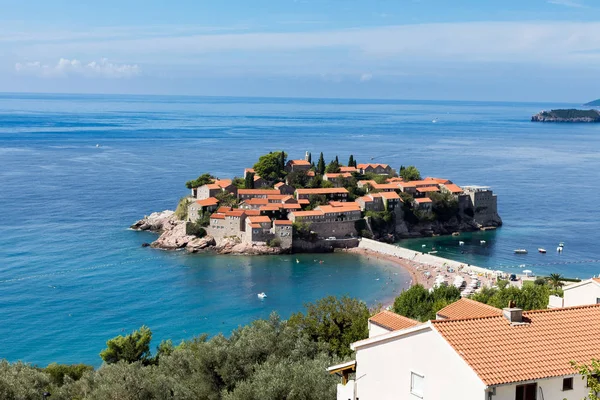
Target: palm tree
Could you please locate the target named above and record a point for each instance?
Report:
(555, 280)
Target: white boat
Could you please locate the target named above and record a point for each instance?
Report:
(482, 242)
(461, 243)
(434, 120)
(559, 249)
(543, 251)
(297, 261)
(423, 245)
(561, 244)
(520, 251)
(262, 295)
(432, 252)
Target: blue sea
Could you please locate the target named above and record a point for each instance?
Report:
(72, 275)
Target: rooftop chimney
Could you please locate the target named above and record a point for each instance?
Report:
(513, 315)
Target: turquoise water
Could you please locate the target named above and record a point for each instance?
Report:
(72, 275)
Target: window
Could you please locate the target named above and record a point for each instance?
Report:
(526, 392)
(597, 300)
(416, 384)
(567, 384)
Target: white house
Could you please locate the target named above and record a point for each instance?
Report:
(578, 294)
(514, 356)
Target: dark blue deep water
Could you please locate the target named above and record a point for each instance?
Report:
(72, 275)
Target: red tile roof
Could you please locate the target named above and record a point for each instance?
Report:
(338, 175)
(217, 216)
(348, 169)
(327, 209)
(211, 201)
(299, 162)
(427, 182)
(366, 199)
(322, 191)
(363, 166)
(223, 209)
(438, 180)
(428, 189)
(389, 195)
(236, 212)
(223, 183)
(259, 219)
(543, 347)
(278, 185)
(255, 201)
(282, 222)
(424, 200)
(313, 213)
(467, 308)
(257, 191)
(392, 321)
(255, 226)
(596, 279)
(303, 201)
(310, 173)
(251, 212)
(452, 188)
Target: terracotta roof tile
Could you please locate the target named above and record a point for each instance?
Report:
(389, 195)
(256, 201)
(217, 216)
(259, 220)
(322, 191)
(211, 201)
(250, 213)
(282, 222)
(315, 213)
(541, 348)
(438, 180)
(298, 162)
(428, 189)
(223, 209)
(424, 200)
(452, 188)
(257, 191)
(393, 321)
(348, 169)
(596, 279)
(363, 166)
(467, 308)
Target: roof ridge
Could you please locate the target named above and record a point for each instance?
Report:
(439, 321)
(479, 303)
(561, 309)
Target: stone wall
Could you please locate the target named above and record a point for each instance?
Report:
(338, 229)
(323, 246)
(222, 228)
(284, 234)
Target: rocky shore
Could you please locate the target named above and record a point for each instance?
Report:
(567, 115)
(173, 236)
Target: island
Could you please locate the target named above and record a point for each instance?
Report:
(567, 115)
(284, 206)
(594, 103)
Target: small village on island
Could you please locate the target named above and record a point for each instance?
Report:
(279, 202)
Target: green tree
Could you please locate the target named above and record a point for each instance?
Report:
(130, 348)
(249, 180)
(591, 374)
(238, 182)
(410, 173)
(529, 297)
(269, 166)
(316, 200)
(445, 206)
(333, 167)
(282, 157)
(203, 179)
(297, 179)
(309, 158)
(58, 372)
(227, 199)
(555, 280)
(181, 212)
(420, 304)
(321, 165)
(335, 322)
(351, 161)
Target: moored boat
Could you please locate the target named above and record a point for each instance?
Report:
(520, 251)
(543, 251)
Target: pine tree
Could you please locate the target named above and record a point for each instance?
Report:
(321, 164)
(282, 160)
(337, 161)
(309, 158)
(351, 161)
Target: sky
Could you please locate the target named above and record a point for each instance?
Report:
(510, 50)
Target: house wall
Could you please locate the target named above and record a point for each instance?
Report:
(375, 330)
(485, 205)
(551, 389)
(384, 370)
(284, 234)
(587, 293)
(221, 228)
(287, 189)
(339, 229)
(203, 192)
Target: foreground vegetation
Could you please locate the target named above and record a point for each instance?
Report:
(268, 359)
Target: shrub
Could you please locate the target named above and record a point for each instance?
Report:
(181, 212)
(276, 242)
(195, 229)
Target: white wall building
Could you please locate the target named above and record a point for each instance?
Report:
(578, 294)
(514, 356)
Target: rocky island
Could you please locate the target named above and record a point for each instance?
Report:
(282, 206)
(567, 115)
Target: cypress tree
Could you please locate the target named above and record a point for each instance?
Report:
(249, 180)
(337, 161)
(351, 161)
(321, 164)
(282, 160)
(309, 158)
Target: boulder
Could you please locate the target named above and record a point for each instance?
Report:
(154, 222)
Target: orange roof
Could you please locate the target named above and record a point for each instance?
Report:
(438, 180)
(255, 201)
(213, 186)
(248, 169)
(278, 185)
(313, 213)
(292, 206)
(282, 222)
(338, 175)
(424, 200)
(406, 184)
(452, 188)
(322, 191)
(392, 321)
(303, 201)
(596, 280)
(396, 179)
(299, 162)
(310, 173)
(217, 216)
(541, 348)
(467, 308)
(428, 189)
(363, 166)
(389, 195)
(255, 226)
(236, 212)
(256, 177)
(427, 182)
(348, 169)
(259, 220)
(366, 199)
(277, 196)
(365, 182)
(251, 212)
(393, 186)
(211, 201)
(223, 183)
(223, 209)
(270, 207)
(257, 191)
(331, 209)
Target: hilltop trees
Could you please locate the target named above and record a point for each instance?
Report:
(249, 180)
(351, 161)
(333, 166)
(410, 173)
(529, 297)
(418, 303)
(131, 348)
(271, 166)
(203, 179)
(321, 165)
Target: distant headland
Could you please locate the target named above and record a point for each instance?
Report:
(282, 206)
(567, 115)
(593, 103)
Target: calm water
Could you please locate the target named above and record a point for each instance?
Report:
(72, 275)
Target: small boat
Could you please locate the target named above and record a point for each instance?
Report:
(559, 249)
(433, 252)
(543, 251)
(262, 295)
(97, 145)
(434, 120)
(520, 251)
(461, 243)
(482, 242)
(423, 245)
(297, 261)
(561, 244)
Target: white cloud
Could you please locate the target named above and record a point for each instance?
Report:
(366, 77)
(65, 67)
(567, 3)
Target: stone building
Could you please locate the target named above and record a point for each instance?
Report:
(338, 179)
(423, 203)
(379, 169)
(483, 203)
(212, 189)
(244, 194)
(282, 229)
(340, 194)
(297, 165)
(198, 207)
(284, 188)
